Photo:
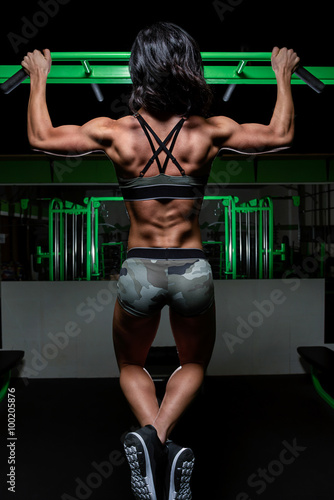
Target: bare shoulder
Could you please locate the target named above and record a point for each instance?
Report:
(124, 124)
(101, 122)
(101, 126)
(108, 128)
(197, 124)
(106, 122)
(221, 124)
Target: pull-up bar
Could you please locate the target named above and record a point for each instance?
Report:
(237, 70)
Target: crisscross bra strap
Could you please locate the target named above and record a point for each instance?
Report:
(162, 146)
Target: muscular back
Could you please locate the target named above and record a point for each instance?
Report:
(163, 223)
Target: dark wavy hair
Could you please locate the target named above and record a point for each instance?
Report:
(167, 72)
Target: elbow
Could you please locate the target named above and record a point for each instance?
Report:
(283, 137)
(37, 141)
(34, 144)
(285, 141)
(288, 139)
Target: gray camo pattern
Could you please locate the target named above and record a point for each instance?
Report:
(145, 286)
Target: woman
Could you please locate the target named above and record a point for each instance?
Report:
(162, 155)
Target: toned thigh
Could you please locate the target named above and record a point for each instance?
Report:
(194, 336)
(133, 336)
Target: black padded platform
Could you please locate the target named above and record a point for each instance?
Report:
(8, 360)
(321, 358)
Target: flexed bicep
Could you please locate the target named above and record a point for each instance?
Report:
(246, 137)
(73, 140)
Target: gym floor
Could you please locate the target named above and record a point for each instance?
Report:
(267, 437)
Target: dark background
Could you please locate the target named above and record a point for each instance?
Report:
(259, 412)
(112, 26)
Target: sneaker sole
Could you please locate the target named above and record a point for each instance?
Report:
(138, 458)
(180, 475)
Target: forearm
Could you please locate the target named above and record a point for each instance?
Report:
(39, 121)
(42, 135)
(282, 121)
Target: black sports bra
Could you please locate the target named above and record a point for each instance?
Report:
(162, 186)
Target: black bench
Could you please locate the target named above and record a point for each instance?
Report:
(321, 360)
(8, 360)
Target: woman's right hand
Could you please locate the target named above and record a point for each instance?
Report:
(284, 60)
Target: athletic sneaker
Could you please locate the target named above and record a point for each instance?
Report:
(178, 474)
(146, 456)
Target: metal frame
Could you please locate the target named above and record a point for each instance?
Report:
(246, 252)
(87, 68)
(239, 220)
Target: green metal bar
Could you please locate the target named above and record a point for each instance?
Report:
(61, 247)
(119, 74)
(281, 252)
(90, 56)
(51, 252)
(41, 255)
(227, 256)
(213, 198)
(230, 236)
(114, 73)
(271, 238)
(236, 56)
(89, 241)
(125, 56)
(260, 244)
(96, 238)
(234, 243)
(120, 198)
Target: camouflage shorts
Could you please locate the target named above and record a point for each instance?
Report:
(152, 278)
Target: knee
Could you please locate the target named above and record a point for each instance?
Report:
(195, 367)
(200, 360)
(134, 377)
